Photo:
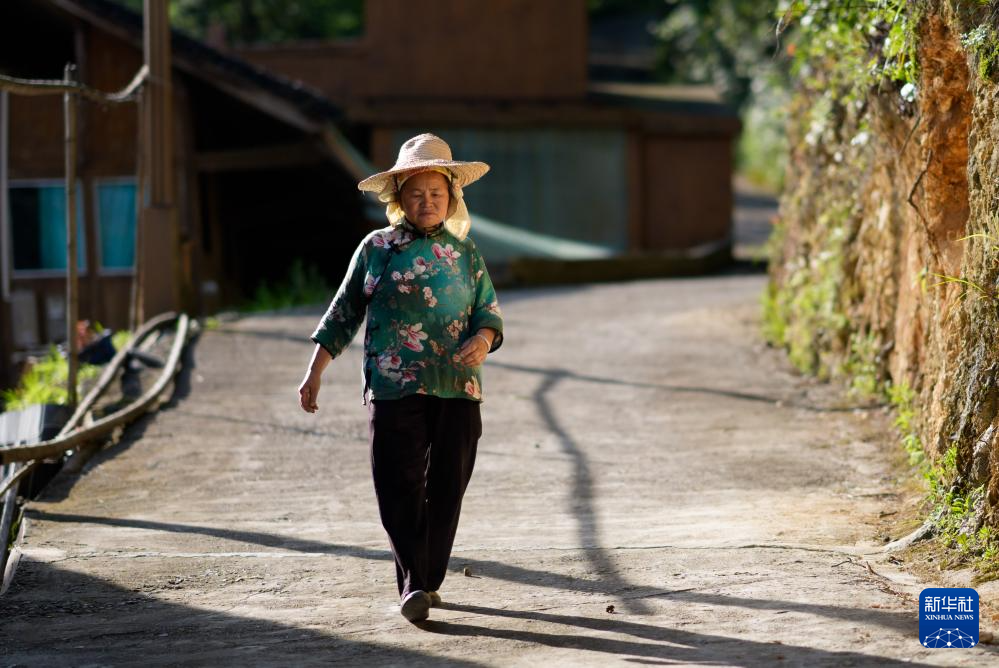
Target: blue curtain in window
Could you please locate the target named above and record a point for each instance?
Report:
(52, 228)
(116, 223)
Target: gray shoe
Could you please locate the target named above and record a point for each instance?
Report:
(435, 599)
(416, 606)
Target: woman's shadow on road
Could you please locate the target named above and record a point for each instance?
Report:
(665, 645)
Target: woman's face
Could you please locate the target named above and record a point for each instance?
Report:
(425, 198)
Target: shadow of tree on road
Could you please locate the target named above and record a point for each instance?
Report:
(90, 621)
(303, 546)
(581, 494)
(719, 392)
(897, 621)
(94, 622)
(587, 528)
(275, 426)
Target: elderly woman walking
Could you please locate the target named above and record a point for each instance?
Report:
(432, 317)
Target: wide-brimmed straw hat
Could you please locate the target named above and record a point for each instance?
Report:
(423, 152)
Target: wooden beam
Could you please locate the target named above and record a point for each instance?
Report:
(159, 118)
(340, 148)
(406, 112)
(158, 255)
(260, 157)
(636, 175)
(6, 254)
(72, 266)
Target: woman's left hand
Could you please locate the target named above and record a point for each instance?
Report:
(473, 352)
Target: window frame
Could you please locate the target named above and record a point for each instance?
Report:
(112, 180)
(28, 274)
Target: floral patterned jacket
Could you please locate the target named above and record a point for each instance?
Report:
(425, 294)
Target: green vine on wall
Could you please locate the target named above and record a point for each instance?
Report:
(979, 21)
(861, 44)
(842, 52)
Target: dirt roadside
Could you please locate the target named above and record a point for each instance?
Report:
(642, 450)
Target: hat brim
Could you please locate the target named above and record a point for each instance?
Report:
(464, 173)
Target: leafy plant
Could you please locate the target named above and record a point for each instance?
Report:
(902, 397)
(121, 338)
(45, 382)
(774, 324)
(804, 314)
(970, 285)
(863, 365)
(303, 286)
(860, 44)
(983, 43)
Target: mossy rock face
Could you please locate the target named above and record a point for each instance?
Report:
(885, 271)
(969, 410)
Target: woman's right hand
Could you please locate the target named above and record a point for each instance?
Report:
(308, 392)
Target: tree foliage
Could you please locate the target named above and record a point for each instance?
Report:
(728, 43)
(597, 8)
(262, 21)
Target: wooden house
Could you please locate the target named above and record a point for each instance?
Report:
(258, 180)
(633, 167)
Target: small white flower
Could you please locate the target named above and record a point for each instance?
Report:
(908, 92)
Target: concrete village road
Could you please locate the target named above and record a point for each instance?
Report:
(654, 486)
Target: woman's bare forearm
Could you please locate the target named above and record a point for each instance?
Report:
(320, 360)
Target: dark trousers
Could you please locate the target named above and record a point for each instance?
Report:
(422, 454)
